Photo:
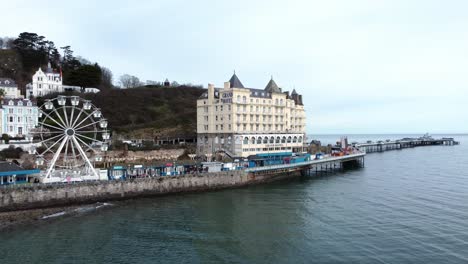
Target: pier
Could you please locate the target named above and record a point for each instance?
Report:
(381, 146)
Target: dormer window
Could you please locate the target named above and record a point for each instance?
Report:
(10, 103)
(7, 82)
(29, 104)
(20, 103)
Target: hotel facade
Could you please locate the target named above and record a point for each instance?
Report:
(244, 121)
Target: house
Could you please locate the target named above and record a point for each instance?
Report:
(45, 82)
(18, 116)
(10, 88)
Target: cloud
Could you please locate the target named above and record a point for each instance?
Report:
(363, 66)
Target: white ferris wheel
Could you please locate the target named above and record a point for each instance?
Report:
(72, 133)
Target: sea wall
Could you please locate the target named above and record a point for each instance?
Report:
(47, 195)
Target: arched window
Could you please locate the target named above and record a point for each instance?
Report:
(283, 140)
(276, 101)
(216, 140)
(246, 140)
(244, 99)
(281, 102)
(272, 140)
(300, 139)
(238, 98)
(259, 140)
(252, 140)
(289, 139)
(294, 139)
(265, 140)
(278, 140)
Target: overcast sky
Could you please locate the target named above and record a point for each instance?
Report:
(363, 66)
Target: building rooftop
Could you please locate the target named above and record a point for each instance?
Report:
(272, 87)
(234, 82)
(15, 101)
(9, 166)
(7, 82)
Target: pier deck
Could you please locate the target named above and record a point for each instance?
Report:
(404, 143)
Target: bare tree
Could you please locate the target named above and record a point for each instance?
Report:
(129, 81)
(150, 82)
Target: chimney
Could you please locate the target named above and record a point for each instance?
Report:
(210, 92)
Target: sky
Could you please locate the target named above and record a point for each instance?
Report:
(363, 66)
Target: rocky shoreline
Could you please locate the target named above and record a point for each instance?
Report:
(15, 219)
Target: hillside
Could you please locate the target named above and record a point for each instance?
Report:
(149, 111)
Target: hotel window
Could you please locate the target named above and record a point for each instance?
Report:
(221, 108)
(230, 127)
(216, 108)
(19, 119)
(11, 119)
(238, 98)
(229, 107)
(216, 127)
(10, 111)
(222, 127)
(216, 118)
(244, 99)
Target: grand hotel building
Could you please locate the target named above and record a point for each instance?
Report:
(244, 121)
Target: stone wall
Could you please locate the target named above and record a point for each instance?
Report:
(39, 196)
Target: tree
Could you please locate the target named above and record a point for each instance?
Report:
(5, 138)
(129, 81)
(85, 76)
(32, 50)
(154, 83)
(106, 78)
(2, 93)
(1, 43)
(67, 54)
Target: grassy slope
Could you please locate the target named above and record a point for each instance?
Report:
(149, 109)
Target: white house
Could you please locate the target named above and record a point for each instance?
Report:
(44, 83)
(19, 116)
(10, 88)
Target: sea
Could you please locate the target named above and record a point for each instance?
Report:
(403, 206)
